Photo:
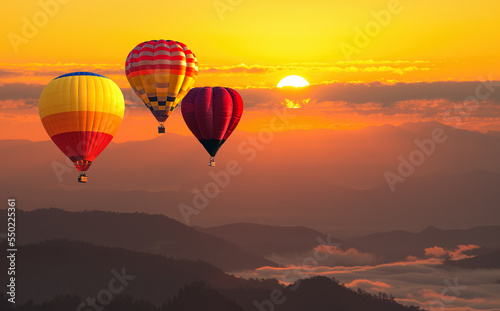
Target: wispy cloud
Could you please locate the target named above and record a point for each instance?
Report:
(373, 285)
(424, 100)
(399, 67)
(457, 254)
(43, 72)
(15, 91)
(330, 105)
(335, 256)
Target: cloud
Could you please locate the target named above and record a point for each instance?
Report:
(18, 104)
(16, 91)
(42, 73)
(398, 67)
(393, 69)
(8, 73)
(326, 255)
(51, 70)
(401, 101)
(435, 252)
(369, 102)
(381, 62)
(420, 282)
(351, 256)
(457, 254)
(22, 94)
(388, 95)
(363, 283)
(241, 68)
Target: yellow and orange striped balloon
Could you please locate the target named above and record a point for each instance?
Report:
(161, 72)
(81, 112)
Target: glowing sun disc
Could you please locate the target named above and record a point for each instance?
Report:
(295, 81)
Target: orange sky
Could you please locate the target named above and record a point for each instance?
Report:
(254, 44)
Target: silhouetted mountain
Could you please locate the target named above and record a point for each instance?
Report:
(321, 293)
(482, 261)
(198, 296)
(56, 267)
(493, 133)
(72, 302)
(51, 273)
(397, 245)
(266, 240)
(155, 234)
(314, 294)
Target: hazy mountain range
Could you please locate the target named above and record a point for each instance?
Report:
(60, 267)
(490, 260)
(234, 247)
(333, 181)
(389, 246)
(267, 240)
(56, 268)
(166, 257)
(397, 245)
(154, 234)
(295, 190)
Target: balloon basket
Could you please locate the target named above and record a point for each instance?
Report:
(82, 178)
(212, 162)
(161, 129)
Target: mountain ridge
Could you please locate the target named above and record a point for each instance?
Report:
(156, 234)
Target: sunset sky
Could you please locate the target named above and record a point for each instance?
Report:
(369, 62)
(346, 160)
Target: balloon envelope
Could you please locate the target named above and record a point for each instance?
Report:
(212, 114)
(161, 72)
(81, 112)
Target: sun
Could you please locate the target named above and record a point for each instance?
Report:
(295, 81)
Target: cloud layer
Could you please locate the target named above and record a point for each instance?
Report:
(472, 105)
(418, 282)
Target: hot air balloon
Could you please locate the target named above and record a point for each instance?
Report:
(212, 114)
(161, 72)
(81, 112)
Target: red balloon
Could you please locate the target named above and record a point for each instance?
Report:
(212, 114)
